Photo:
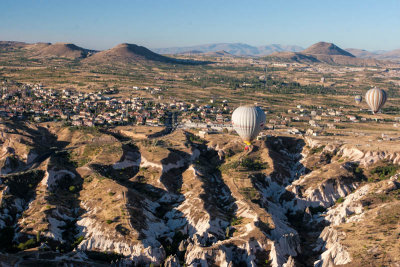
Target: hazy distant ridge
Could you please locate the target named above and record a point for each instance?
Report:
(237, 49)
(393, 55)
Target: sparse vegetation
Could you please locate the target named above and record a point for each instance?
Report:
(250, 193)
(340, 200)
(28, 244)
(316, 150)
(236, 221)
(248, 164)
(385, 172)
(253, 165)
(78, 240)
(129, 194)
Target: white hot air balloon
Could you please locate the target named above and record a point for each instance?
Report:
(375, 99)
(358, 99)
(248, 121)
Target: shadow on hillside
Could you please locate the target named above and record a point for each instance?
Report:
(64, 194)
(217, 197)
(21, 190)
(173, 167)
(142, 197)
(281, 150)
(63, 199)
(44, 144)
(285, 154)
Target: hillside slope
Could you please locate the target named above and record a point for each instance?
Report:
(328, 53)
(127, 53)
(323, 48)
(84, 196)
(66, 50)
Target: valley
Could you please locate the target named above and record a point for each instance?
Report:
(125, 157)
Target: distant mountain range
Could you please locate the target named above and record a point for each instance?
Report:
(393, 55)
(321, 52)
(236, 49)
(241, 49)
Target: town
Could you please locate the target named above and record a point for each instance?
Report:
(36, 103)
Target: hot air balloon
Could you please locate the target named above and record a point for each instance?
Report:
(358, 99)
(248, 121)
(375, 99)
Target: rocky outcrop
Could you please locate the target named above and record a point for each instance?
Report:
(172, 261)
(335, 253)
(98, 237)
(368, 157)
(354, 154)
(350, 206)
(54, 175)
(325, 194)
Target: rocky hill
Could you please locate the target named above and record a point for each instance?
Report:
(221, 53)
(127, 53)
(66, 50)
(323, 48)
(323, 52)
(393, 55)
(62, 53)
(361, 53)
(95, 197)
(46, 50)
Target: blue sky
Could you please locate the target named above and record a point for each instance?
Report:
(101, 24)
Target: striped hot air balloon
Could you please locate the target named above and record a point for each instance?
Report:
(375, 99)
(248, 121)
(358, 99)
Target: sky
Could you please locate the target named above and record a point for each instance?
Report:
(102, 24)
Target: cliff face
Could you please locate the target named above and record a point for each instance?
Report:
(100, 197)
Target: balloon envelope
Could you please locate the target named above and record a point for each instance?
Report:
(375, 99)
(358, 99)
(248, 121)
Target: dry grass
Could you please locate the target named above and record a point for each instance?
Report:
(375, 241)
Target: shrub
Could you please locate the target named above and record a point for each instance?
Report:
(195, 139)
(236, 221)
(316, 150)
(253, 165)
(28, 244)
(109, 221)
(228, 166)
(72, 188)
(250, 193)
(78, 240)
(385, 172)
(340, 200)
(38, 236)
